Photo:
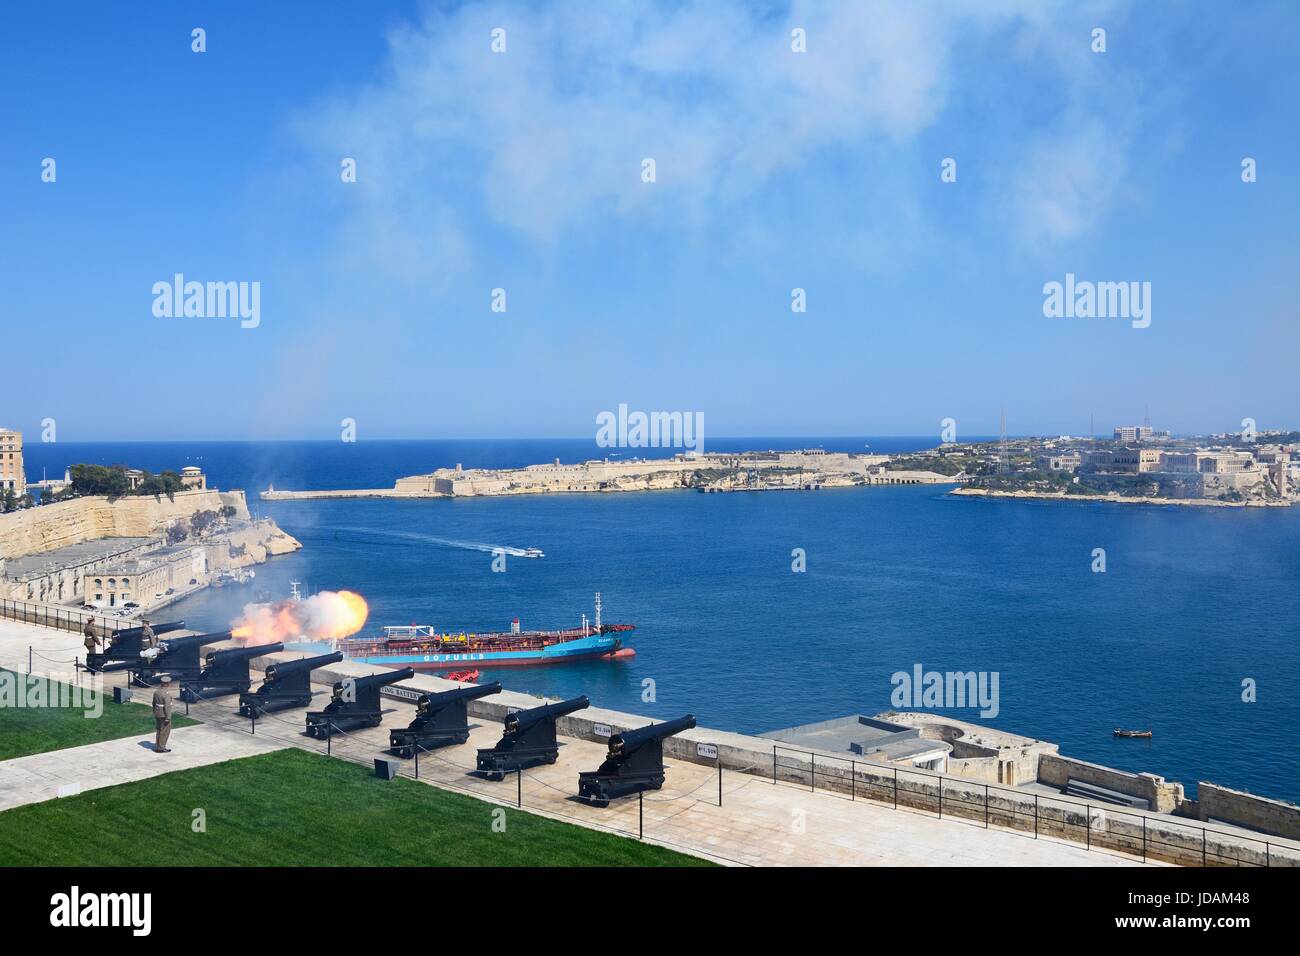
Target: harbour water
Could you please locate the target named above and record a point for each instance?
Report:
(1192, 602)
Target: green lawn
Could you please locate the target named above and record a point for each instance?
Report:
(37, 729)
(293, 808)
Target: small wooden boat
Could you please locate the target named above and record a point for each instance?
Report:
(467, 677)
(1132, 733)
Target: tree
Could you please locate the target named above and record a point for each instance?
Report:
(98, 480)
(200, 521)
(167, 483)
(8, 501)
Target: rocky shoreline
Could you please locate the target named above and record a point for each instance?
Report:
(1117, 499)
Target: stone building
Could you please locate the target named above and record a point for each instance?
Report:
(12, 476)
(147, 579)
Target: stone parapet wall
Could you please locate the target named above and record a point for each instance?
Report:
(47, 527)
(1245, 809)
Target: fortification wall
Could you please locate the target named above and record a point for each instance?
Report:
(47, 527)
(1247, 810)
(1163, 797)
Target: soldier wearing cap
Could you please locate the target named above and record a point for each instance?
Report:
(162, 715)
(92, 636)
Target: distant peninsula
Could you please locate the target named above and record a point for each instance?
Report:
(1136, 466)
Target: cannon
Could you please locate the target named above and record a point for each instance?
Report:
(635, 762)
(440, 719)
(225, 672)
(124, 649)
(529, 739)
(177, 656)
(355, 703)
(286, 684)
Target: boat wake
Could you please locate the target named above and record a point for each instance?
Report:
(416, 537)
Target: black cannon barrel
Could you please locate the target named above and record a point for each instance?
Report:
(252, 650)
(382, 679)
(523, 719)
(280, 668)
(197, 640)
(127, 633)
(630, 740)
(472, 692)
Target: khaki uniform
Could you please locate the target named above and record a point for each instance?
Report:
(162, 718)
(92, 636)
(147, 637)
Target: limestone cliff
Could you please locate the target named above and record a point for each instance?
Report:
(45, 528)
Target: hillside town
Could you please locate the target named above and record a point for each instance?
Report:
(1137, 463)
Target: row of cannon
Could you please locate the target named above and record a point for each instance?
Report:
(634, 762)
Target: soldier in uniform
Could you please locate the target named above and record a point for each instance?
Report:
(92, 636)
(147, 637)
(162, 715)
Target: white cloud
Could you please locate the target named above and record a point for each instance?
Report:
(551, 133)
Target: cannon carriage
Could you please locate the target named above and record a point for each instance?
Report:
(124, 647)
(355, 703)
(529, 739)
(225, 672)
(440, 719)
(635, 762)
(285, 684)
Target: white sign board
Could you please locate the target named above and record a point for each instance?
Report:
(602, 730)
(708, 751)
(401, 693)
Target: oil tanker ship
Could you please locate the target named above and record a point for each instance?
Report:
(424, 647)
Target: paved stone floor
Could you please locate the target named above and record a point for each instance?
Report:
(57, 773)
(759, 823)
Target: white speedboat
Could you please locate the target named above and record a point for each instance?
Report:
(533, 553)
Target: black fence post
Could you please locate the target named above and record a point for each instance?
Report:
(941, 798)
(895, 788)
(853, 780)
(417, 761)
(519, 785)
(774, 763)
(1087, 821)
(719, 783)
(813, 764)
(1035, 816)
(986, 806)
(640, 815)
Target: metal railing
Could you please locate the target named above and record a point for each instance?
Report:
(62, 618)
(1108, 827)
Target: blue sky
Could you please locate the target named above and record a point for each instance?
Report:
(522, 171)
